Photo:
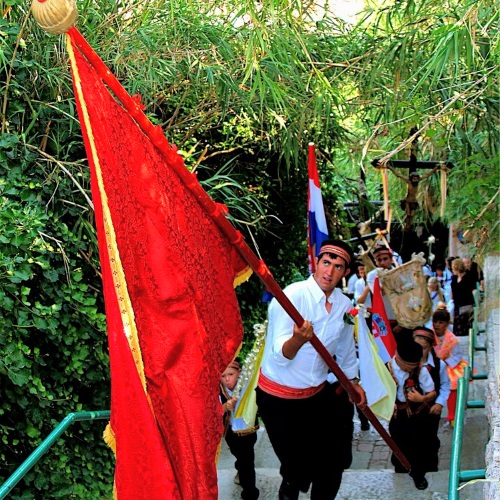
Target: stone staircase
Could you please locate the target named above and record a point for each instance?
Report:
(371, 476)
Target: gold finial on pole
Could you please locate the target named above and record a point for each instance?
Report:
(55, 16)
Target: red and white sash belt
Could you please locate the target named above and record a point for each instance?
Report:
(283, 391)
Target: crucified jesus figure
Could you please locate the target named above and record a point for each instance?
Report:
(410, 204)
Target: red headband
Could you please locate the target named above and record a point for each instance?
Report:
(382, 250)
(426, 334)
(336, 250)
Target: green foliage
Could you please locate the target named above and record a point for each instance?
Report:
(53, 345)
(435, 68)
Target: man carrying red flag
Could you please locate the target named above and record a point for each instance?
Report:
(383, 316)
(307, 418)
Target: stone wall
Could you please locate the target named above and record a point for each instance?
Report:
(491, 312)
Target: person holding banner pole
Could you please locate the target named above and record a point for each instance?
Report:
(383, 259)
(304, 414)
(383, 317)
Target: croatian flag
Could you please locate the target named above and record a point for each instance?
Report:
(381, 329)
(317, 230)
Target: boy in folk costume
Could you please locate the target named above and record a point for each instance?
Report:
(384, 260)
(437, 368)
(409, 424)
(448, 349)
(240, 444)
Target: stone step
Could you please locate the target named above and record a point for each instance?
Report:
(357, 485)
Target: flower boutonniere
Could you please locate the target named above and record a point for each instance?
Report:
(349, 316)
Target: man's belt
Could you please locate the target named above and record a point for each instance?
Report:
(285, 392)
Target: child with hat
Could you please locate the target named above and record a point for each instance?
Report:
(437, 368)
(409, 424)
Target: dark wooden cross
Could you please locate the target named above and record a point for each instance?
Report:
(410, 203)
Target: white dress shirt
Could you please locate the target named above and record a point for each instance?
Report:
(397, 258)
(359, 288)
(424, 379)
(307, 368)
(351, 282)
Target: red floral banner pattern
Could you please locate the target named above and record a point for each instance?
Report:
(172, 314)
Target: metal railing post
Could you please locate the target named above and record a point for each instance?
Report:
(456, 448)
(20, 472)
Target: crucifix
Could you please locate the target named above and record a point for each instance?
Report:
(410, 204)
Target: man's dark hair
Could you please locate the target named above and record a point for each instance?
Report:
(341, 244)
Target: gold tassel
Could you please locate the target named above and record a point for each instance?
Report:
(55, 16)
(246, 409)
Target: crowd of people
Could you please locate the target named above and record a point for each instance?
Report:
(305, 409)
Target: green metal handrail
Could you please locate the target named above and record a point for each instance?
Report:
(44, 446)
(456, 475)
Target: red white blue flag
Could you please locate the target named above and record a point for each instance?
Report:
(381, 329)
(317, 230)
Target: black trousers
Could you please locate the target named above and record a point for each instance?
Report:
(242, 448)
(311, 437)
(432, 458)
(413, 435)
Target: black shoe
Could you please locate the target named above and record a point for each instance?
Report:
(253, 494)
(288, 491)
(420, 483)
(365, 426)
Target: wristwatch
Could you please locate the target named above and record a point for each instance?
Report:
(354, 380)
